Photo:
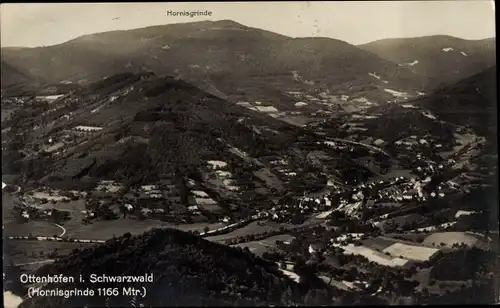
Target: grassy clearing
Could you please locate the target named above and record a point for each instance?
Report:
(374, 256)
(450, 238)
(290, 274)
(269, 178)
(257, 248)
(266, 245)
(273, 239)
(23, 252)
(411, 252)
(378, 243)
(297, 120)
(104, 230)
(72, 206)
(39, 228)
(252, 228)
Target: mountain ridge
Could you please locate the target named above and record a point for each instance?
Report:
(446, 59)
(201, 52)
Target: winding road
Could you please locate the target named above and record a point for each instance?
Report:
(62, 228)
(36, 262)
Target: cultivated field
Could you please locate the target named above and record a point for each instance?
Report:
(377, 243)
(373, 256)
(410, 252)
(450, 238)
(269, 178)
(36, 228)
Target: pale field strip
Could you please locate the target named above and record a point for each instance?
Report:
(396, 93)
(55, 239)
(434, 228)
(11, 300)
(323, 215)
(266, 109)
(461, 212)
(217, 164)
(337, 284)
(417, 253)
(290, 274)
(205, 201)
(372, 255)
(88, 128)
(200, 193)
(44, 195)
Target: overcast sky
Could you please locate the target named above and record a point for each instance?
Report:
(39, 24)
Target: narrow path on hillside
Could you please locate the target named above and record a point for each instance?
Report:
(62, 228)
(36, 262)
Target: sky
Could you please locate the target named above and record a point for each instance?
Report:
(43, 24)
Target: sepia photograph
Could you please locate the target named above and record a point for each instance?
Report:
(307, 153)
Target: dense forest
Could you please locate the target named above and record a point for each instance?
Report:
(187, 271)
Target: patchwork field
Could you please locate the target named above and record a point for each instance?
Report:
(411, 252)
(450, 238)
(373, 256)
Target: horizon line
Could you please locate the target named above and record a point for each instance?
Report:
(214, 21)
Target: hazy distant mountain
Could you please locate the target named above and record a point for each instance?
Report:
(18, 82)
(15, 81)
(471, 102)
(445, 59)
(12, 76)
(229, 58)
